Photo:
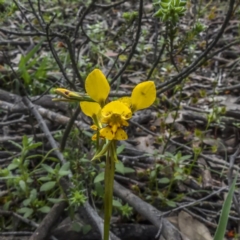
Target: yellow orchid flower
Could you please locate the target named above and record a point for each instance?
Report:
(114, 115)
(109, 120)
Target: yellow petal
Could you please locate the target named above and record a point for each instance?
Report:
(94, 137)
(106, 120)
(124, 123)
(114, 127)
(143, 95)
(68, 95)
(121, 135)
(116, 107)
(126, 101)
(62, 91)
(94, 127)
(90, 109)
(97, 86)
(107, 133)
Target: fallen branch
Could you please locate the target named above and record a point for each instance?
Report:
(168, 231)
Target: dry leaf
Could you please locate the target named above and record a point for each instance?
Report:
(110, 53)
(192, 228)
(145, 144)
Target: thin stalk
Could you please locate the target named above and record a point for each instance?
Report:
(108, 194)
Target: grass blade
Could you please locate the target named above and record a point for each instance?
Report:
(222, 225)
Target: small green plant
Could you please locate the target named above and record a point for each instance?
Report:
(174, 170)
(177, 163)
(77, 197)
(26, 185)
(215, 115)
(34, 80)
(124, 210)
(7, 9)
(170, 10)
(130, 16)
(236, 124)
(54, 175)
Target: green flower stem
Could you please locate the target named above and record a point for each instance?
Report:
(108, 194)
(97, 141)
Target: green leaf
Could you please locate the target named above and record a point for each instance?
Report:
(16, 144)
(47, 186)
(182, 3)
(25, 75)
(116, 203)
(22, 185)
(120, 149)
(23, 67)
(153, 174)
(86, 228)
(64, 170)
(44, 209)
(186, 157)
(29, 180)
(86, 133)
(52, 159)
(178, 177)
(47, 168)
(99, 189)
(41, 72)
(222, 225)
(128, 170)
(172, 204)
(65, 167)
(26, 211)
(99, 177)
(33, 51)
(164, 5)
(34, 156)
(120, 167)
(164, 180)
(12, 166)
(44, 178)
(165, 1)
(55, 200)
(63, 173)
(159, 13)
(25, 141)
(76, 226)
(26, 202)
(84, 160)
(180, 9)
(34, 145)
(6, 205)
